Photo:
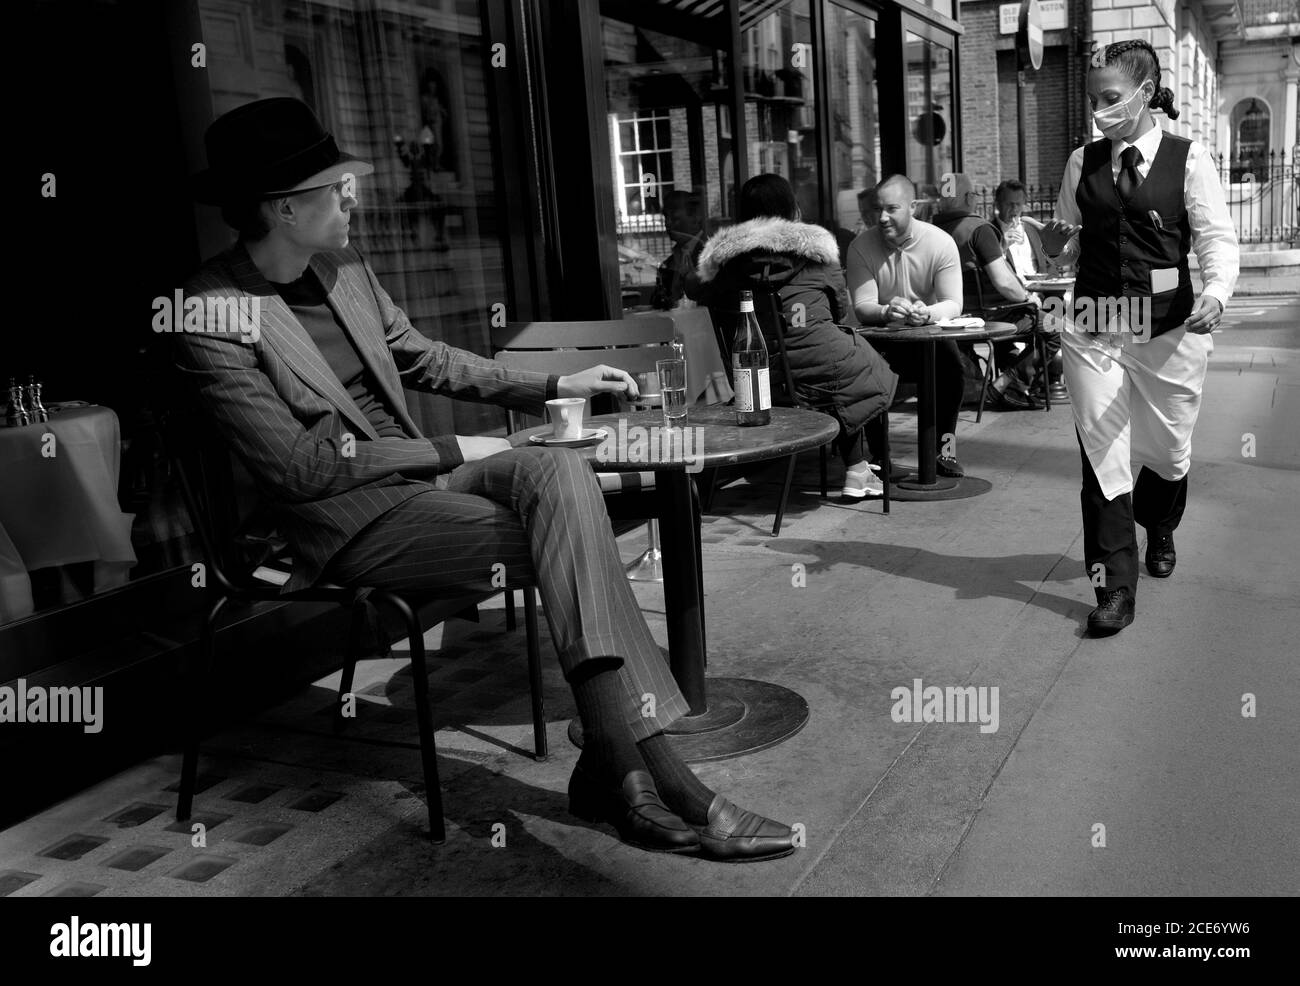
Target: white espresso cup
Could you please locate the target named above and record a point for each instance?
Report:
(566, 417)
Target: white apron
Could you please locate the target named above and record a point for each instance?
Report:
(1135, 403)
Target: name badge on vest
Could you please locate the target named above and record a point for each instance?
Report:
(1164, 279)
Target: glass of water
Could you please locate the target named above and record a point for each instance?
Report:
(672, 385)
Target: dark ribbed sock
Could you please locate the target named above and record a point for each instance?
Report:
(678, 786)
(608, 749)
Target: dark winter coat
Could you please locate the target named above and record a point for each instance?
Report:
(801, 263)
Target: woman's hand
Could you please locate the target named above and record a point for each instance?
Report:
(1060, 227)
(1205, 316)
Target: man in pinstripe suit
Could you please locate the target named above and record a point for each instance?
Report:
(312, 404)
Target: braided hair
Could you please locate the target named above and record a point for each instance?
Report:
(1138, 61)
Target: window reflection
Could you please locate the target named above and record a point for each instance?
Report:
(780, 112)
(930, 115)
(670, 149)
(853, 114)
(408, 94)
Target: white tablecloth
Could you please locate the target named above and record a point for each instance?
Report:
(61, 509)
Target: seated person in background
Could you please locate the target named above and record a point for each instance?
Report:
(907, 271)
(1020, 233)
(1022, 240)
(313, 406)
(684, 220)
(991, 289)
(770, 250)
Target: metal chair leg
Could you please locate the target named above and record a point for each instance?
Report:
(984, 387)
(825, 486)
(785, 493)
(1041, 340)
(423, 715)
(712, 487)
(535, 674)
(510, 610)
(200, 676)
(888, 467)
(349, 664)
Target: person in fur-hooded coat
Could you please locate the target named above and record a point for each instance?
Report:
(770, 250)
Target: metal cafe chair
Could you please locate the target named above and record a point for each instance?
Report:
(202, 467)
(634, 345)
(1008, 312)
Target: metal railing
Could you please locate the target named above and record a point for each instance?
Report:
(1262, 197)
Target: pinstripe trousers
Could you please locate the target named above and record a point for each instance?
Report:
(535, 516)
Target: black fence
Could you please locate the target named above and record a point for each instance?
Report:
(1263, 198)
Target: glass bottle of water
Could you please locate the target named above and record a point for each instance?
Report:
(749, 369)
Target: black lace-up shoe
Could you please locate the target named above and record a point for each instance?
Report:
(1115, 610)
(1161, 557)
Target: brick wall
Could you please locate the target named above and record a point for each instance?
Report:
(990, 135)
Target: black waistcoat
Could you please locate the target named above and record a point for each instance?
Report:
(1121, 242)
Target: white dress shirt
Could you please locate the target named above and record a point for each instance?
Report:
(1214, 239)
(1017, 241)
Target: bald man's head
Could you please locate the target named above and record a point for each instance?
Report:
(895, 194)
(961, 193)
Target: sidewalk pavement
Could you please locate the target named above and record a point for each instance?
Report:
(1119, 766)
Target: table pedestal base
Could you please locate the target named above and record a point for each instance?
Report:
(910, 487)
(744, 716)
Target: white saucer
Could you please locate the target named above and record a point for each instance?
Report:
(969, 323)
(589, 436)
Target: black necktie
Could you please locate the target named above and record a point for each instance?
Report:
(1128, 181)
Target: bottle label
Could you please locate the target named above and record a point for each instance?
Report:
(746, 305)
(746, 391)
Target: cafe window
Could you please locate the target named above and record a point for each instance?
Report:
(643, 150)
(853, 112)
(671, 147)
(931, 114)
(402, 86)
(780, 106)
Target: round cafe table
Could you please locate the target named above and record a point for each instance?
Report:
(728, 717)
(925, 483)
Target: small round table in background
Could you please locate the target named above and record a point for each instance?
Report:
(926, 483)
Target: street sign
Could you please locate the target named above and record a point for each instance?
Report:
(1056, 16)
(1029, 42)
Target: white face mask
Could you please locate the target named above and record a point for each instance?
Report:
(1113, 120)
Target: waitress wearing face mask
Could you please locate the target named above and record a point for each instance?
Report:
(1136, 201)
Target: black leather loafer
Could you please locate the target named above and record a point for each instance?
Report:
(634, 809)
(1161, 557)
(734, 835)
(1115, 610)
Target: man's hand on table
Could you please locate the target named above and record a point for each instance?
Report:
(908, 312)
(475, 447)
(598, 380)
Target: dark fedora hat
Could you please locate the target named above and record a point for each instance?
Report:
(270, 147)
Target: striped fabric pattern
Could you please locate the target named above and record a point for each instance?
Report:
(284, 412)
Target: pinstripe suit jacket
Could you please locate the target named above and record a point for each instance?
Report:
(288, 417)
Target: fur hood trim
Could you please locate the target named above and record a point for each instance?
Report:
(768, 236)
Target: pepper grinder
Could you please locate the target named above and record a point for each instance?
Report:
(35, 409)
(15, 413)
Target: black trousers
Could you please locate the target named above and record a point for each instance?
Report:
(1109, 535)
(906, 359)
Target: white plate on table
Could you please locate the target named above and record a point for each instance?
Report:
(589, 436)
(968, 323)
